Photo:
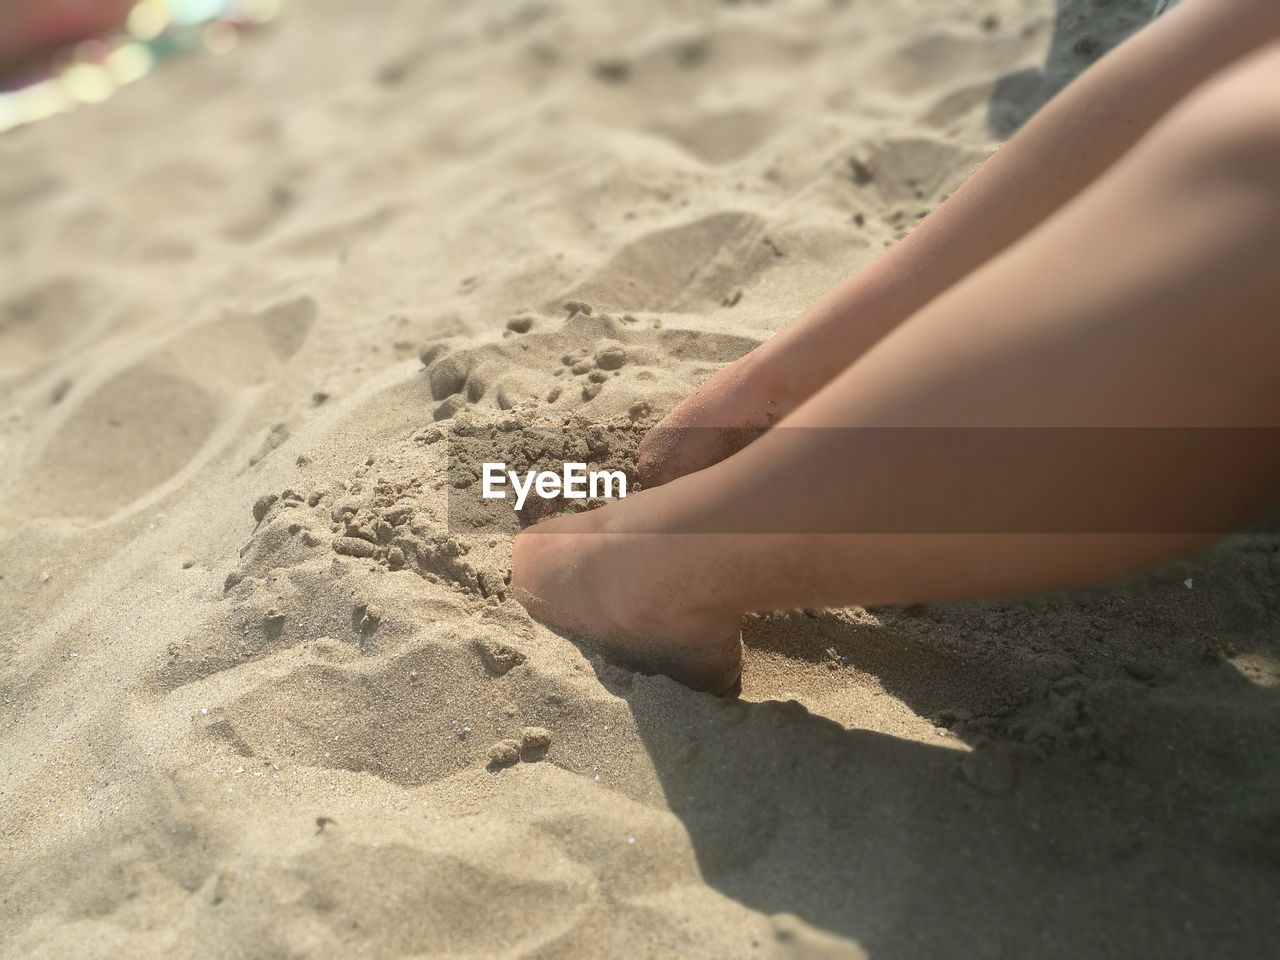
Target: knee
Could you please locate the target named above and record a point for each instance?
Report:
(1230, 128)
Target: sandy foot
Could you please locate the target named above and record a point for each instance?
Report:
(608, 588)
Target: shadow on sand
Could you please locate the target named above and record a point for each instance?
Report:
(1084, 30)
(1109, 784)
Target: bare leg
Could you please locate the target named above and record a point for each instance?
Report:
(1059, 153)
(1150, 300)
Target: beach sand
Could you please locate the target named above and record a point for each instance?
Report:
(260, 698)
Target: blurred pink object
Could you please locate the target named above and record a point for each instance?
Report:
(30, 29)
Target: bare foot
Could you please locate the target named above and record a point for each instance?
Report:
(742, 400)
(731, 409)
(614, 589)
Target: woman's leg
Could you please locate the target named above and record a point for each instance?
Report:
(1060, 152)
(1152, 300)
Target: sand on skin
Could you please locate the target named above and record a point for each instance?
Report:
(261, 698)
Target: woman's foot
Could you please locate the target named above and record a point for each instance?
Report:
(618, 591)
(733, 407)
(743, 399)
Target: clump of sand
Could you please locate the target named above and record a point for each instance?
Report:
(263, 691)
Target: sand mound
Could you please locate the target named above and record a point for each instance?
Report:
(263, 692)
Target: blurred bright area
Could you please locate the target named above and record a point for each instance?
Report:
(107, 48)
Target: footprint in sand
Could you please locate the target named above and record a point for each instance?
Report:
(44, 323)
(127, 438)
(387, 716)
(690, 267)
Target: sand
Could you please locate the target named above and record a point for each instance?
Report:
(261, 692)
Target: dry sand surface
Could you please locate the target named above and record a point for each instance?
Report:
(258, 699)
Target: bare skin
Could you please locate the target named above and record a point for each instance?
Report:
(1068, 145)
(1147, 300)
